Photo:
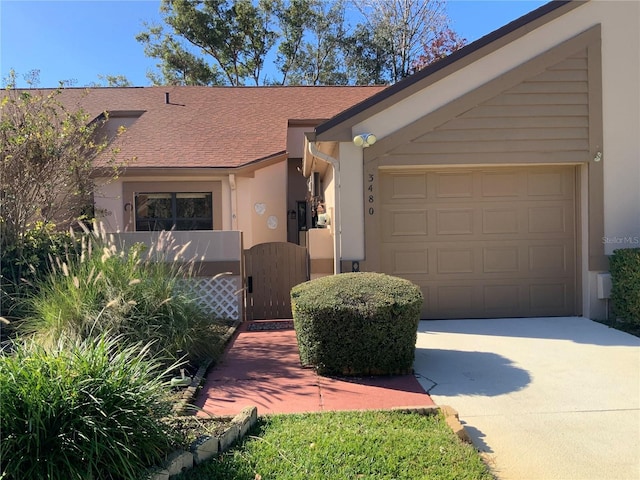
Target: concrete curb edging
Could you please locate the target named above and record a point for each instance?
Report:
(206, 446)
(181, 407)
(450, 415)
(453, 420)
(188, 395)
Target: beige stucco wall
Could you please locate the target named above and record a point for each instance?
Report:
(327, 238)
(262, 205)
(345, 187)
(352, 197)
(621, 119)
(329, 194)
(320, 245)
(108, 198)
(200, 245)
(108, 201)
(295, 140)
(266, 187)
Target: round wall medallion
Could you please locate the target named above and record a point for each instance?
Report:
(260, 208)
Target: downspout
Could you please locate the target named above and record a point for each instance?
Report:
(234, 201)
(337, 267)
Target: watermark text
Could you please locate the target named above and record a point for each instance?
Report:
(621, 240)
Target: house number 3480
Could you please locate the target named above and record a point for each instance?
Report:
(371, 198)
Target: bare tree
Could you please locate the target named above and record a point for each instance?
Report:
(401, 31)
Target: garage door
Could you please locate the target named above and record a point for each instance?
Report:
(481, 242)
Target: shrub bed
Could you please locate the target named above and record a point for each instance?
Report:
(625, 293)
(357, 323)
(128, 292)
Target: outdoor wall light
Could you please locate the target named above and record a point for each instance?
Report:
(364, 140)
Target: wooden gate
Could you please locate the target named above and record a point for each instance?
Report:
(271, 269)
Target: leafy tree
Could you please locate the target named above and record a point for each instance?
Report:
(115, 81)
(47, 158)
(178, 66)
(294, 20)
(111, 81)
(235, 34)
(318, 60)
(366, 56)
(227, 42)
(47, 154)
(445, 43)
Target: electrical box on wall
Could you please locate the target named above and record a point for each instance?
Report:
(603, 283)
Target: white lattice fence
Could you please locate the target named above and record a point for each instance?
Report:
(220, 296)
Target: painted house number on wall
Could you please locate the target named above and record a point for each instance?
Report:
(370, 193)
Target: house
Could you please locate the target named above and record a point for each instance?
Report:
(500, 178)
(239, 145)
(221, 167)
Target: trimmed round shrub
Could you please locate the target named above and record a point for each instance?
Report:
(357, 323)
(88, 410)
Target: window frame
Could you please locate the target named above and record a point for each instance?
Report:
(174, 220)
(168, 185)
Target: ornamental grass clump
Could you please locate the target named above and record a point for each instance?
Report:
(137, 293)
(357, 323)
(87, 409)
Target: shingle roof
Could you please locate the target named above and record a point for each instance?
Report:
(212, 126)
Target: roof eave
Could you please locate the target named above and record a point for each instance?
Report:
(246, 169)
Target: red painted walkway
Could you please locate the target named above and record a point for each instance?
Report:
(262, 369)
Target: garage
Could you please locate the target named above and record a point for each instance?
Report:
(485, 184)
(483, 242)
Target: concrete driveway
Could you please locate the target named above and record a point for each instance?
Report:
(542, 398)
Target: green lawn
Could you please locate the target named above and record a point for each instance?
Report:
(347, 445)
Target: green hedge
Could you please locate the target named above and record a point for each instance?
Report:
(357, 323)
(24, 264)
(625, 293)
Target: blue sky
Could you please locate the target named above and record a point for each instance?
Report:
(79, 40)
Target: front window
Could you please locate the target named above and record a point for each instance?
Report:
(177, 211)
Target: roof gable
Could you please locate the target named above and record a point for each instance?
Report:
(339, 127)
(528, 96)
